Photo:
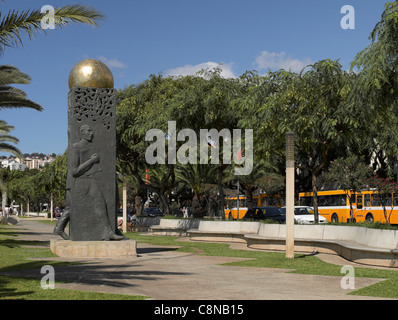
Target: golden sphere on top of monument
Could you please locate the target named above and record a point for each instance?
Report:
(91, 73)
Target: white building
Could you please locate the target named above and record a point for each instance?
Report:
(32, 163)
(17, 166)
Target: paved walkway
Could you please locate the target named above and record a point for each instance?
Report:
(164, 274)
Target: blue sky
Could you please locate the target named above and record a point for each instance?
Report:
(140, 38)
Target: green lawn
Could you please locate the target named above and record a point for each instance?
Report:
(15, 254)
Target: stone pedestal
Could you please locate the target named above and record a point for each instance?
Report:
(93, 249)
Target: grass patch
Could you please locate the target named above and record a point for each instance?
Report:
(16, 254)
(29, 289)
(301, 264)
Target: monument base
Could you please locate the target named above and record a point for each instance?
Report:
(93, 249)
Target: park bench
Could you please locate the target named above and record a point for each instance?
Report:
(362, 245)
(226, 231)
(357, 244)
(173, 227)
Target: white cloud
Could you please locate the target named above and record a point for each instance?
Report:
(226, 69)
(276, 61)
(113, 63)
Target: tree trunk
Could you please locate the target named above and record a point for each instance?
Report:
(4, 201)
(138, 205)
(164, 203)
(317, 170)
(52, 206)
(221, 190)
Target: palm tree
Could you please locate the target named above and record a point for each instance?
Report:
(16, 23)
(12, 26)
(201, 179)
(11, 97)
(5, 137)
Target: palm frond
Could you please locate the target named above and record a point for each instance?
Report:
(6, 147)
(11, 99)
(9, 138)
(12, 75)
(5, 128)
(28, 22)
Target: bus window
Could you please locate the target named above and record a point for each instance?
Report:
(242, 202)
(375, 200)
(359, 202)
(388, 200)
(395, 197)
(306, 201)
(323, 201)
(367, 200)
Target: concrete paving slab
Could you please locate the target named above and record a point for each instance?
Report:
(164, 274)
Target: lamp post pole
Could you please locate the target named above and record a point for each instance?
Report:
(124, 206)
(289, 195)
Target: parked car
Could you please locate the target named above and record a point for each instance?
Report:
(152, 212)
(263, 213)
(305, 215)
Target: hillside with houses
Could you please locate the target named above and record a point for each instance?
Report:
(28, 161)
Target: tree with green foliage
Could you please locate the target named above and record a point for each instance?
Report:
(197, 102)
(140, 109)
(375, 92)
(312, 104)
(349, 174)
(207, 103)
(386, 189)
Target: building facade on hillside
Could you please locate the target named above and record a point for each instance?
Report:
(32, 163)
(17, 166)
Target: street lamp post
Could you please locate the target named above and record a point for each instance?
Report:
(124, 206)
(289, 195)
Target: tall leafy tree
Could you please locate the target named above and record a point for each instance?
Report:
(207, 103)
(376, 90)
(140, 109)
(312, 104)
(349, 174)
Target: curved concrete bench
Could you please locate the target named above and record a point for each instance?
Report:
(358, 244)
(173, 227)
(226, 231)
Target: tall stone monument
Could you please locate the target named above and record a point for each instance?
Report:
(91, 197)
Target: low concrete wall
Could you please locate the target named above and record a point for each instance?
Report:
(93, 249)
(174, 227)
(385, 239)
(229, 226)
(224, 231)
(358, 244)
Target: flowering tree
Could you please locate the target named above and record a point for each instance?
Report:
(385, 189)
(350, 174)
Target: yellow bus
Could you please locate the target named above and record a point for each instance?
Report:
(231, 207)
(260, 200)
(334, 205)
(264, 199)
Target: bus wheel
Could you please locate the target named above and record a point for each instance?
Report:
(369, 218)
(335, 217)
